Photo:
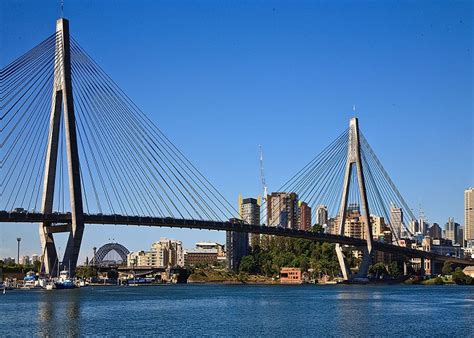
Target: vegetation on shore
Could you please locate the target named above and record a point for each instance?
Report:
(449, 275)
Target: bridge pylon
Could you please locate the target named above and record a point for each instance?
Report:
(354, 159)
(62, 100)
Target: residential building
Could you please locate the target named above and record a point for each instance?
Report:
(322, 215)
(193, 257)
(354, 223)
(25, 260)
(142, 259)
(304, 216)
(282, 209)
(211, 245)
(469, 214)
(34, 258)
(165, 253)
(452, 231)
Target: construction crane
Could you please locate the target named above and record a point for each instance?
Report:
(262, 175)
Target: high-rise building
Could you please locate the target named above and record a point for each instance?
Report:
(237, 246)
(304, 216)
(469, 214)
(282, 209)
(250, 211)
(378, 226)
(354, 223)
(322, 215)
(435, 231)
(414, 226)
(396, 221)
(423, 226)
(452, 231)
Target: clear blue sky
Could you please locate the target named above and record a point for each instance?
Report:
(222, 77)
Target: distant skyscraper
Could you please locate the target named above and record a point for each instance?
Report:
(250, 213)
(469, 214)
(304, 216)
(322, 215)
(414, 226)
(435, 231)
(378, 226)
(452, 231)
(396, 219)
(282, 209)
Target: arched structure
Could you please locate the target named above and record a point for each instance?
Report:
(105, 249)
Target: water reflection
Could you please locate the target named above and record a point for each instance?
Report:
(59, 313)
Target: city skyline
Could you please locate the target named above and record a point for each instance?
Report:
(277, 171)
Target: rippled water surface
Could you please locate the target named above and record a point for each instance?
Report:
(241, 310)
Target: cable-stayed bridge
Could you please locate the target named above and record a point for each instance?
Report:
(76, 150)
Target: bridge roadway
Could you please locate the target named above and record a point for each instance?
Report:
(61, 223)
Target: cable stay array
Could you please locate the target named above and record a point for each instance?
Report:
(320, 184)
(127, 164)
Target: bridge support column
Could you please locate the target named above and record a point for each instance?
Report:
(354, 159)
(405, 268)
(62, 98)
(422, 267)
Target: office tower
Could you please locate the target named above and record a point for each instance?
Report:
(249, 209)
(414, 226)
(396, 221)
(451, 231)
(304, 216)
(282, 209)
(469, 214)
(435, 231)
(322, 215)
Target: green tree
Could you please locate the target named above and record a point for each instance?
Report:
(248, 265)
(447, 268)
(460, 278)
(378, 270)
(86, 272)
(393, 269)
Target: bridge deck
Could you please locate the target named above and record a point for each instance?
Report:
(62, 219)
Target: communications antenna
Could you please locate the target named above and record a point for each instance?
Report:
(262, 175)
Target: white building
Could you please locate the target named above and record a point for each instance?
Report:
(164, 253)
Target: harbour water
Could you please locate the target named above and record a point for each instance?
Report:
(242, 310)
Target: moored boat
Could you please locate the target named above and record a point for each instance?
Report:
(64, 281)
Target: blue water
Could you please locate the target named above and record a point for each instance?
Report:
(241, 310)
